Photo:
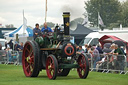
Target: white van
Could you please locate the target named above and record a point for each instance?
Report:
(92, 38)
(2, 41)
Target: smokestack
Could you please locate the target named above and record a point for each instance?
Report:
(66, 18)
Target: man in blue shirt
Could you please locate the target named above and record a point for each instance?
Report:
(36, 31)
(21, 47)
(46, 28)
(16, 47)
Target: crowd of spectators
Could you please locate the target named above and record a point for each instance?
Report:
(12, 50)
(110, 56)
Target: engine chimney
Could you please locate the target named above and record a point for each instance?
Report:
(66, 18)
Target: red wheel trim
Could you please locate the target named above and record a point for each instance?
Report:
(50, 68)
(82, 66)
(28, 59)
(66, 50)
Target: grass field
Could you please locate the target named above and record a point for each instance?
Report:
(13, 75)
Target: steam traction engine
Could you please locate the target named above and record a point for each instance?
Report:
(55, 53)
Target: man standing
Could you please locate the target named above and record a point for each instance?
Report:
(21, 47)
(46, 28)
(120, 57)
(36, 31)
(96, 56)
(16, 47)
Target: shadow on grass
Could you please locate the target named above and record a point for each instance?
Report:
(60, 77)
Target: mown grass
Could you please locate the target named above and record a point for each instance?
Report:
(13, 75)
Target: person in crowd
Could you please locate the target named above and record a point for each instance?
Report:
(95, 55)
(123, 49)
(5, 45)
(89, 49)
(77, 47)
(86, 46)
(89, 55)
(17, 46)
(36, 31)
(9, 53)
(46, 28)
(80, 50)
(99, 48)
(21, 47)
(112, 63)
(11, 44)
(57, 28)
(2, 52)
(94, 45)
(120, 58)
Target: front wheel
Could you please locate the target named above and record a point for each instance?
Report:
(51, 67)
(83, 63)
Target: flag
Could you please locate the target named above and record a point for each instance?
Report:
(100, 21)
(85, 22)
(24, 23)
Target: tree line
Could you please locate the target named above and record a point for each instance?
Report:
(113, 12)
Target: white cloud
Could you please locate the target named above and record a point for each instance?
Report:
(11, 11)
(2, 20)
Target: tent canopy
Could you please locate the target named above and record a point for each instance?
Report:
(80, 32)
(28, 32)
(109, 39)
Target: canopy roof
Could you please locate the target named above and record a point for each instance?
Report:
(80, 32)
(20, 31)
(109, 39)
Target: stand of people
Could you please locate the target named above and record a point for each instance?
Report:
(111, 56)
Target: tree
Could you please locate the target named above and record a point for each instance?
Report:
(110, 11)
(9, 26)
(124, 12)
(49, 24)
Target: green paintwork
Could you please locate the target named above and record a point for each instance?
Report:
(61, 66)
(40, 41)
(46, 42)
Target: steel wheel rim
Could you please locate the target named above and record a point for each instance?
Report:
(82, 66)
(28, 59)
(50, 67)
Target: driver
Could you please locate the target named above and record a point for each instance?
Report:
(36, 31)
(46, 28)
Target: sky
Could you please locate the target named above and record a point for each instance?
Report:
(11, 11)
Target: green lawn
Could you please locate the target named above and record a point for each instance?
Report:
(13, 75)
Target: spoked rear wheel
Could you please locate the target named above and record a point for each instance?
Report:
(51, 67)
(83, 69)
(30, 59)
